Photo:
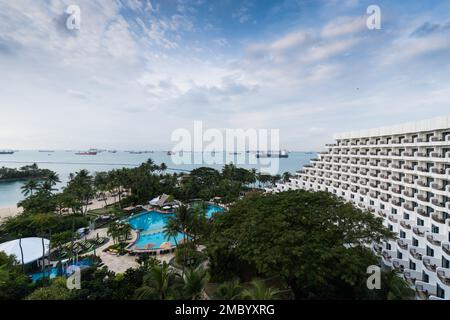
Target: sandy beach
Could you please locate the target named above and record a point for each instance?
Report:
(12, 210)
(9, 211)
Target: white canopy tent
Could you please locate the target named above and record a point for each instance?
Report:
(31, 247)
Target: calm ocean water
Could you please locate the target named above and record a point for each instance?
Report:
(66, 162)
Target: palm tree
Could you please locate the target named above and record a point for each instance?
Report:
(230, 290)
(159, 279)
(53, 178)
(259, 291)
(396, 287)
(171, 230)
(29, 187)
(195, 281)
(113, 231)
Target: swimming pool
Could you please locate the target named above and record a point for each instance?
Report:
(83, 264)
(151, 220)
(211, 209)
(152, 241)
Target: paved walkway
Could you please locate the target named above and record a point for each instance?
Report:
(119, 264)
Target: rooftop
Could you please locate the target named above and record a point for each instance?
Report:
(410, 127)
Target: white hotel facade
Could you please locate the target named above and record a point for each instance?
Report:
(402, 174)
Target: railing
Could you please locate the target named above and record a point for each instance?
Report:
(405, 224)
(438, 217)
(423, 212)
(446, 248)
(391, 218)
(422, 183)
(443, 276)
(402, 244)
(418, 232)
(430, 266)
(432, 240)
(415, 254)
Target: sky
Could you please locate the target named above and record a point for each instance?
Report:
(135, 71)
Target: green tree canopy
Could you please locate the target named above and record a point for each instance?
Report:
(315, 241)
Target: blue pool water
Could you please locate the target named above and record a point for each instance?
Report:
(154, 240)
(149, 221)
(211, 209)
(83, 264)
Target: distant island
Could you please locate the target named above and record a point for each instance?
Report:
(23, 173)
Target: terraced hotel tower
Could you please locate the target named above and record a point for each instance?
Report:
(400, 173)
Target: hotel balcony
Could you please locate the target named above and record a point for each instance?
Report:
(425, 290)
(436, 139)
(416, 253)
(430, 263)
(392, 218)
(396, 202)
(399, 264)
(408, 181)
(381, 213)
(402, 244)
(437, 203)
(387, 257)
(435, 239)
(437, 186)
(422, 183)
(377, 248)
(419, 231)
(422, 169)
(422, 198)
(408, 194)
(408, 167)
(423, 212)
(439, 217)
(384, 198)
(444, 275)
(411, 276)
(437, 171)
(408, 206)
(446, 247)
(405, 224)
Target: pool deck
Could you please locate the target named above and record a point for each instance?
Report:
(119, 264)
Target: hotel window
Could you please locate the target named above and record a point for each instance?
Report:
(420, 222)
(382, 206)
(434, 229)
(445, 263)
(352, 196)
(440, 292)
(402, 234)
(372, 203)
(399, 255)
(405, 216)
(412, 265)
(388, 246)
(430, 252)
(390, 227)
(415, 242)
(425, 277)
(394, 211)
(361, 199)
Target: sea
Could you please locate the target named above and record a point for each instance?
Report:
(66, 162)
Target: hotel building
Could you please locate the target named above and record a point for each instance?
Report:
(402, 174)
